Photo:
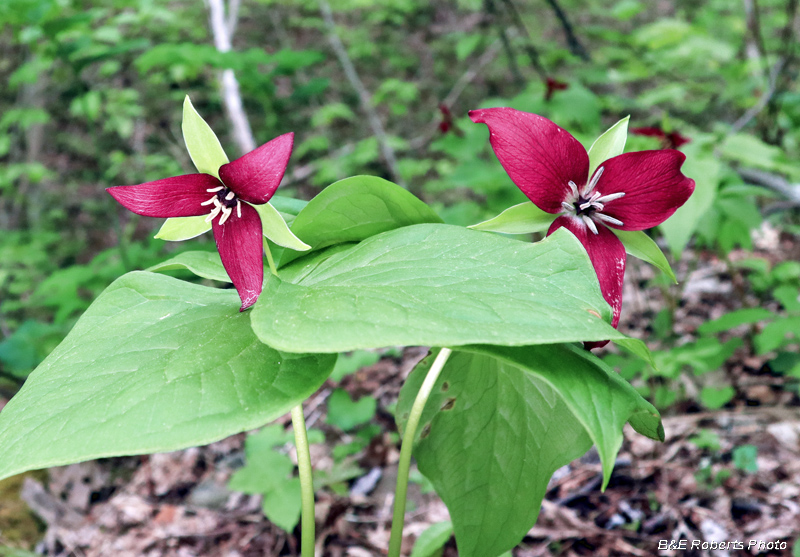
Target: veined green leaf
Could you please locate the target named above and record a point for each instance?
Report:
(155, 364)
(354, 209)
(437, 285)
(501, 420)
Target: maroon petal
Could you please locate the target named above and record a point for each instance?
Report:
(241, 249)
(179, 196)
(255, 176)
(607, 255)
(540, 157)
(653, 183)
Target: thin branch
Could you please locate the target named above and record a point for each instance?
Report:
(231, 96)
(363, 95)
(754, 110)
(460, 86)
(772, 181)
(233, 17)
(575, 45)
(533, 53)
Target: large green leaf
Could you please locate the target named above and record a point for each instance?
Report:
(519, 219)
(436, 285)
(354, 209)
(608, 145)
(155, 364)
(501, 420)
(201, 141)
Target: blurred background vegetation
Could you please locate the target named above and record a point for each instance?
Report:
(93, 93)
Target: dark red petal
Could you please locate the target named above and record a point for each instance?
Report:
(540, 157)
(179, 196)
(653, 183)
(255, 176)
(241, 249)
(608, 258)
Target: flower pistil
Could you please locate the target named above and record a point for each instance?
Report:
(587, 205)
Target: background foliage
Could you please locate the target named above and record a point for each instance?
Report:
(92, 99)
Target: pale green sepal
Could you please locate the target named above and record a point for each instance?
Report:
(206, 264)
(201, 141)
(177, 229)
(636, 347)
(524, 218)
(276, 229)
(639, 244)
(608, 145)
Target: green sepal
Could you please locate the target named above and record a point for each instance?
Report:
(610, 144)
(201, 141)
(177, 229)
(524, 218)
(276, 229)
(639, 244)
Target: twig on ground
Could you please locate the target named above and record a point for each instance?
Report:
(363, 95)
(772, 181)
(231, 96)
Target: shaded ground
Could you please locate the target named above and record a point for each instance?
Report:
(695, 486)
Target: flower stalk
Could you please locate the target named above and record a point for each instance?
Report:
(307, 525)
(404, 465)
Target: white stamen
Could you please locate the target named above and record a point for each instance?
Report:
(611, 197)
(606, 218)
(593, 182)
(230, 195)
(214, 213)
(210, 201)
(595, 196)
(239, 208)
(585, 206)
(226, 213)
(569, 207)
(574, 188)
(214, 190)
(590, 223)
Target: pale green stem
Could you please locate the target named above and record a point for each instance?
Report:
(403, 466)
(271, 261)
(307, 525)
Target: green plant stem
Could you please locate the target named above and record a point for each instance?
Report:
(404, 465)
(271, 261)
(307, 525)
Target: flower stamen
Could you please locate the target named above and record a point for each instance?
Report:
(593, 182)
(610, 197)
(608, 219)
(589, 223)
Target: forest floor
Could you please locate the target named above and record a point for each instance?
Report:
(691, 487)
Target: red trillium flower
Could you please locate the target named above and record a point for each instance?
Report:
(671, 140)
(633, 191)
(554, 85)
(249, 180)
